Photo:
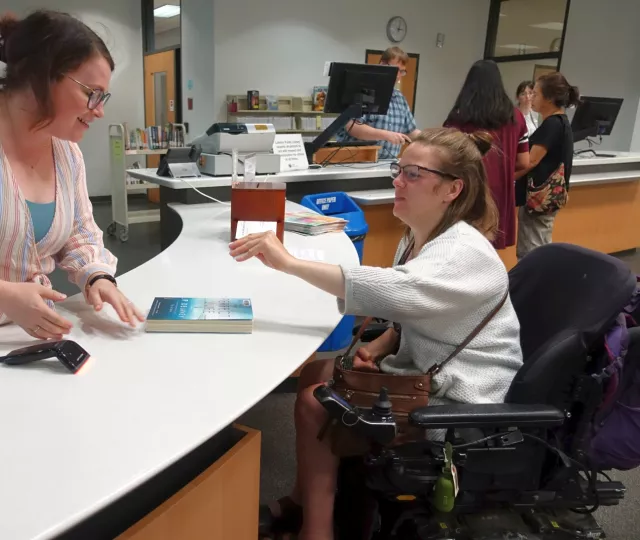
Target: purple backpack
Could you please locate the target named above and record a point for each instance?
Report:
(615, 440)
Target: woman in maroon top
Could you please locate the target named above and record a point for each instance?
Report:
(483, 105)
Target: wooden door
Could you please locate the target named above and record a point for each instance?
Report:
(159, 97)
(409, 82)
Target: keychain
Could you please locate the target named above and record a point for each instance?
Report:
(446, 488)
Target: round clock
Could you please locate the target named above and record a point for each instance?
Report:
(396, 29)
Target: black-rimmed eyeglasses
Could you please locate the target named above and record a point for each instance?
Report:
(96, 96)
(412, 172)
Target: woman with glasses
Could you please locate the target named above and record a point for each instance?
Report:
(448, 280)
(524, 95)
(53, 85)
(483, 105)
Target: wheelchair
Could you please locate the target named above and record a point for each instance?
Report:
(523, 466)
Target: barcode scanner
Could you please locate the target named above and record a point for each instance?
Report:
(70, 354)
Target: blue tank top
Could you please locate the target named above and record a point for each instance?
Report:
(41, 218)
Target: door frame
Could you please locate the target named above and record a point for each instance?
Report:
(415, 84)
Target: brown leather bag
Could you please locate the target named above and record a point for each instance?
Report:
(406, 392)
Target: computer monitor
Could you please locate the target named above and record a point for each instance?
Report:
(354, 90)
(595, 116)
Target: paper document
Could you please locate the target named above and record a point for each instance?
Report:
(308, 254)
(246, 228)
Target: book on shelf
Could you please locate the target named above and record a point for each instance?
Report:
(312, 224)
(153, 137)
(207, 315)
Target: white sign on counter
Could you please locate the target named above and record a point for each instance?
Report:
(290, 147)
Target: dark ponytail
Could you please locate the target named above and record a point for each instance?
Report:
(556, 89)
(574, 96)
(483, 141)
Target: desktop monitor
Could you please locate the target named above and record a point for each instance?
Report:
(368, 85)
(354, 90)
(595, 116)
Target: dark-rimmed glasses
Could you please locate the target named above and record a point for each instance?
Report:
(96, 96)
(412, 172)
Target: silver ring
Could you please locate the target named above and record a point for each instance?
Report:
(36, 330)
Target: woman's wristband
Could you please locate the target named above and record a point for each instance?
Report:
(101, 276)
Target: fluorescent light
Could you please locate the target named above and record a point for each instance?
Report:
(517, 46)
(166, 12)
(557, 26)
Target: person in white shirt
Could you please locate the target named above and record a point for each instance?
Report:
(524, 95)
(451, 280)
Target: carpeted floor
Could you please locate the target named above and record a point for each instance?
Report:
(274, 415)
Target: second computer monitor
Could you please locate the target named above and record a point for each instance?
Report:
(595, 116)
(370, 85)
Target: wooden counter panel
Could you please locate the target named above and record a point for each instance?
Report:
(604, 217)
(220, 504)
(385, 232)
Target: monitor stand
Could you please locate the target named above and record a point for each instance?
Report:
(352, 112)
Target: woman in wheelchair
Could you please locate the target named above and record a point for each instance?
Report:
(449, 280)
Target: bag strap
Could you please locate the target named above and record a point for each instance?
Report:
(403, 259)
(437, 367)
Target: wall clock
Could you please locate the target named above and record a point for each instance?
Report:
(396, 29)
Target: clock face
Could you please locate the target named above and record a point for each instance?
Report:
(396, 29)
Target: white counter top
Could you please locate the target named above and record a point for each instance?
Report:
(584, 160)
(372, 197)
(73, 444)
(381, 170)
(331, 172)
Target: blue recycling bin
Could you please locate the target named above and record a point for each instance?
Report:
(340, 205)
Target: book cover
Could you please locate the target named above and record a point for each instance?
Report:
(319, 97)
(198, 309)
(221, 315)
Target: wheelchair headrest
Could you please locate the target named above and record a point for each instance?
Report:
(560, 288)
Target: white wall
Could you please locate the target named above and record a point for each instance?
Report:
(601, 56)
(280, 46)
(169, 38)
(118, 23)
(198, 61)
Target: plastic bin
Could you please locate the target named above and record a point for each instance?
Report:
(339, 204)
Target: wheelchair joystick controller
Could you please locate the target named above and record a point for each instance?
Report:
(382, 406)
(376, 424)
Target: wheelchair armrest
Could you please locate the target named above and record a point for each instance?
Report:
(486, 415)
(373, 331)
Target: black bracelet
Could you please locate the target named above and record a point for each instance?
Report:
(102, 276)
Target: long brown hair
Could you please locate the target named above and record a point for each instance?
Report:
(461, 157)
(40, 50)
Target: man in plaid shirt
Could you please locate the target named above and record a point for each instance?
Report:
(393, 129)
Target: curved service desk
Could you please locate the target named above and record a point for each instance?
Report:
(146, 428)
(603, 212)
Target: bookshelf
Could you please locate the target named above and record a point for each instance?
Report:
(121, 188)
(294, 114)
